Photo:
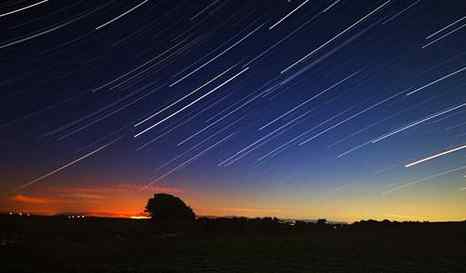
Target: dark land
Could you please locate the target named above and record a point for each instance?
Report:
(63, 244)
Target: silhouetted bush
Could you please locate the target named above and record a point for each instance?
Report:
(322, 221)
(166, 209)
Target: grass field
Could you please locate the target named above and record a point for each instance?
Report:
(47, 244)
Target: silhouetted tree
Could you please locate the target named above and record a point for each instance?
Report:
(167, 208)
(322, 221)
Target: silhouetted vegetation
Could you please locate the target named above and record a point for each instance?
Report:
(167, 208)
(169, 213)
(228, 244)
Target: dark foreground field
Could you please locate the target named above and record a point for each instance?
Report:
(47, 244)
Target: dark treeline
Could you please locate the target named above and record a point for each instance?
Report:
(228, 244)
(216, 225)
(272, 225)
(265, 225)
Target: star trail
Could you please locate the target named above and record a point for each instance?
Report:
(238, 104)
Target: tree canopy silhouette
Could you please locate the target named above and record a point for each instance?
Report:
(165, 208)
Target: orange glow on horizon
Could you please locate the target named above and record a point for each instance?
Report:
(127, 201)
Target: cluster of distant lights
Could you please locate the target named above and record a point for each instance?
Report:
(76, 217)
(12, 213)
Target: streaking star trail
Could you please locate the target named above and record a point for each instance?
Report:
(193, 102)
(435, 156)
(23, 8)
(239, 104)
(69, 164)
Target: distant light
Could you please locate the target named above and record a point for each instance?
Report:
(139, 217)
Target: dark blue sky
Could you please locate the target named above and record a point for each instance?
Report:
(289, 108)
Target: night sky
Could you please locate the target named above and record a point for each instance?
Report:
(345, 110)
